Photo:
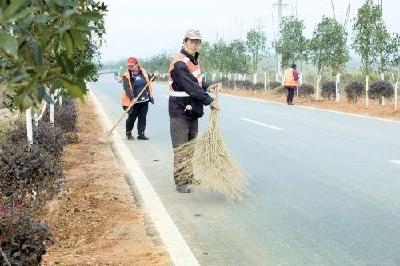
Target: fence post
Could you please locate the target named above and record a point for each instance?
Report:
(338, 87)
(366, 90)
(29, 132)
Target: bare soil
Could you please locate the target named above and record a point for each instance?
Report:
(95, 220)
(374, 109)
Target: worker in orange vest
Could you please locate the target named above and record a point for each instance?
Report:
(188, 95)
(134, 80)
(291, 82)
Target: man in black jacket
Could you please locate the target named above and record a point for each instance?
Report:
(188, 95)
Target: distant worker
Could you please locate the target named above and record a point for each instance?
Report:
(188, 95)
(134, 80)
(291, 82)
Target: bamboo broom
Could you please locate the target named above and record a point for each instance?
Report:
(208, 158)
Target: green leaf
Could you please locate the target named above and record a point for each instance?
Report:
(78, 39)
(73, 89)
(22, 14)
(12, 9)
(9, 44)
(85, 71)
(69, 45)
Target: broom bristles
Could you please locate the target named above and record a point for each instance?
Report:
(207, 157)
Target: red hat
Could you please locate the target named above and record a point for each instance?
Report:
(132, 61)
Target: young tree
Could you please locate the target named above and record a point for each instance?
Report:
(292, 45)
(42, 44)
(366, 25)
(328, 47)
(256, 45)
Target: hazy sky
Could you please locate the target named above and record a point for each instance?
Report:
(146, 28)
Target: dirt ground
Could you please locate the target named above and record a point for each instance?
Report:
(95, 219)
(374, 109)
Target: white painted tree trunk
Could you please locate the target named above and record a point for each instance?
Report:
(52, 111)
(29, 131)
(338, 87)
(255, 78)
(265, 81)
(318, 89)
(395, 96)
(213, 77)
(366, 90)
(383, 102)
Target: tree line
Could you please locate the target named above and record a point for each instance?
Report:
(328, 50)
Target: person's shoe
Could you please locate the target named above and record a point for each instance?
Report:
(142, 137)
(183, 188)
(129, 137)
(290, 104)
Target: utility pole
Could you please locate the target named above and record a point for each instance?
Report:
(279, 56)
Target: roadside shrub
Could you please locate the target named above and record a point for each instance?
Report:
(328, 90)
(353, 91)
(259, 86)
(65, 116)
(28, 175)
(22, 240)
(279, 90)
(50, 138)
(379, 89)
(306, 90)
(228, 84)
(246, 84)
(274, 84)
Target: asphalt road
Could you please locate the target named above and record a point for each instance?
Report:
(326, 186)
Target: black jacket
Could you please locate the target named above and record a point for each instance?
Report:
(185, 81)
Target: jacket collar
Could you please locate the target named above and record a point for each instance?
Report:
(193, 59)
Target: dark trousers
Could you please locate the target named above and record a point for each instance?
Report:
(290, 94)
(182, 131)
(139, 111)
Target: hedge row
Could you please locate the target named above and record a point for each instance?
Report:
(29, 176)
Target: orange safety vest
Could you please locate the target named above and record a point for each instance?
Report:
(125, 99)
(288, 78)
(195, 70)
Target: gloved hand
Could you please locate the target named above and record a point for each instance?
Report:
(152, 100)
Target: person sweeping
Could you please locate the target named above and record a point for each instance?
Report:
(134, 80)
(188, 95)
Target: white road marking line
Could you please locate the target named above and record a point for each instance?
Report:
(175, 244)
(314, 108)
(395, 161)
(165, 95)
(261, 124)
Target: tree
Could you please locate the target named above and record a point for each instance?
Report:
(328, 46)
(384, 48)
(42, 44)
(366, 25)
(395, 56)
(255, 41)
(225, 57)
(292, 45)
(158, 62)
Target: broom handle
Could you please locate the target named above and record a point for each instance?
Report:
(130, 107)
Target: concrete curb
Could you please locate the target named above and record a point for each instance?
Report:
(175, 245)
